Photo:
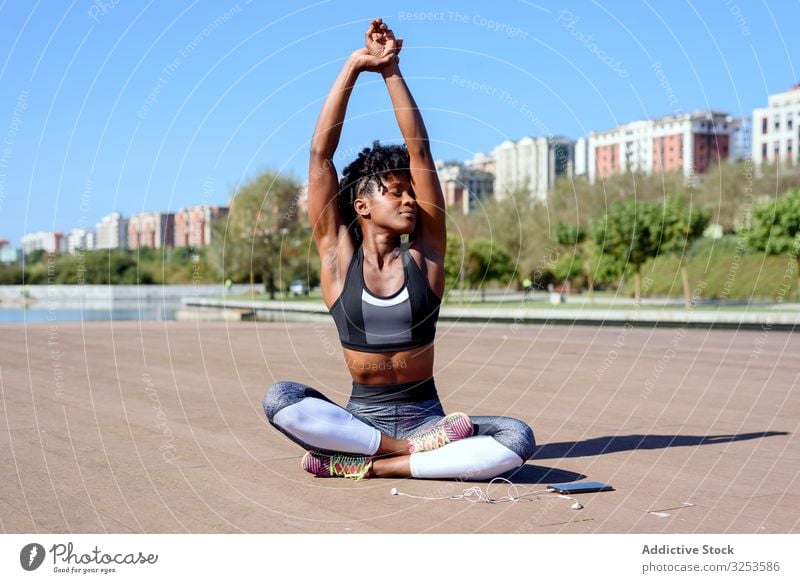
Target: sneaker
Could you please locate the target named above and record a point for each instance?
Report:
(452, 428)
(355, 467)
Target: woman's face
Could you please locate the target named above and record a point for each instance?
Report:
(392, 206)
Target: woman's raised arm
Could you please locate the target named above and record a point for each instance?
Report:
(323, 184)
(431, 235)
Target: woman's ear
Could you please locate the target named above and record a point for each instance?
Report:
(362, 206)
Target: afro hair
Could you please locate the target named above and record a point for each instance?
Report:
(362, 176)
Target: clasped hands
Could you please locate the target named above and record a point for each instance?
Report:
(381, 49)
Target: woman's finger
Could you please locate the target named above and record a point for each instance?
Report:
(370, 31)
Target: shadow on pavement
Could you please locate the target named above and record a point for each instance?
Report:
(617, 443)
(530, 474)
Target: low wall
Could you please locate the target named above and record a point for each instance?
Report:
(735, 319)
(113, 293)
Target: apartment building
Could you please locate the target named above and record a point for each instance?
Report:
(691, 143)
(111, 232)
(776, 131)
(193, 225)
(532, 165)
(152, 229)
(464, 188)
(581, 157)
(7, 253)
(80, 240)
(49, 241)
(483, 162)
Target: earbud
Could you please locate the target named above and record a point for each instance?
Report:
(394, 492)
(577, 506)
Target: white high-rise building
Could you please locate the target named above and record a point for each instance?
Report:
(111, 232)
(7, 253)
(80, 240)
(50, 241)
(532, 165)
(776, 128)
(581, 157)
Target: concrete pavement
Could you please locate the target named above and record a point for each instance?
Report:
(158, 427)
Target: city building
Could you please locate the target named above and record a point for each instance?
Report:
(743, 139)
(111, 232)
(152, 229)
(776, 131)
(7, 253)
(532, 165)
(687, 142)
(80, 240)
(49, 241)
(481, 161)
(464, 188)
(581, 157)
(193, 225)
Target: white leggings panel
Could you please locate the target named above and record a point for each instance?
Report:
(476, 458)
(327, 426)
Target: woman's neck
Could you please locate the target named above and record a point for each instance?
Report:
(381, 248)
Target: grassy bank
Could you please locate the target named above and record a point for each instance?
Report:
(722, 269)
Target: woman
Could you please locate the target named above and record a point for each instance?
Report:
(385, 303)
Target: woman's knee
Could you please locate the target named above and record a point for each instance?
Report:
(516, 436)
(282, 394)
(527, 440)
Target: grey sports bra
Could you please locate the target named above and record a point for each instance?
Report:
(370, 323)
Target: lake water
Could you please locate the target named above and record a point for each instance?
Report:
(38, 314)
(85, 303)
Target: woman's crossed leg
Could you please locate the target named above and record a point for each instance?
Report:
(351, 443)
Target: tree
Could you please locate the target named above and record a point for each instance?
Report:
(10, 274)
(263, 214)
(728, 189)
(569, 235)
(299, 258)
(570, 263)
(776, 228)
(512, 226)
(628, 235)
(453, 263)
(567, 267)
(486, 261)
(680, 224)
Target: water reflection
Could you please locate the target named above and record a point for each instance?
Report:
(43, 312)
(36, 315)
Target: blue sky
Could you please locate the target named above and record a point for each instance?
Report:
(130, 106)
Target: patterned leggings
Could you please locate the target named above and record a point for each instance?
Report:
(315, 423)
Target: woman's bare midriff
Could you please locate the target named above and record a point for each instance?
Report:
(384, 368)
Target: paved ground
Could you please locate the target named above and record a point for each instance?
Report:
(157, 427)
